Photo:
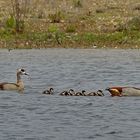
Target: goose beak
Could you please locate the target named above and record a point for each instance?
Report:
(107, 89)
(26, 74)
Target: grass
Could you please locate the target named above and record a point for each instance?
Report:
(62, 39)
(74, 23)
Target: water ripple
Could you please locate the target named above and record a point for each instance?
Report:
(33, 116)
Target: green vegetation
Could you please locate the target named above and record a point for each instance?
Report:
(56, 17)
(62, 39)
(78, 24)
(77, 3)
(70, 28)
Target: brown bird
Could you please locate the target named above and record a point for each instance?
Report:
(67, 93)
(49, 91)
(82, 93)
(124, 91)
(95, 93)
(91, 94)
(19, 85)
(100, 93)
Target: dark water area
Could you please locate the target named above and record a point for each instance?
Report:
(34, 116)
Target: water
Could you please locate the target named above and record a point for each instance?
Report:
(33, 116)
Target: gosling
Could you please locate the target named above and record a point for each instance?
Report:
(49, 91)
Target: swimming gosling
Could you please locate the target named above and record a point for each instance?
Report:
(82, 93)
(97, 93)
(19, 85)
(67, 93)
(100, 93)
(48, 92)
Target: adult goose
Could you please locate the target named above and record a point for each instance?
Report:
(19, 85)
(124, 91)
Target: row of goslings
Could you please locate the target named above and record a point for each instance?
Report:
(71, 92)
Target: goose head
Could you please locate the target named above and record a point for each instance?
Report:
(22, 72)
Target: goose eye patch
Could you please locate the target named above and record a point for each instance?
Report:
(22, 70)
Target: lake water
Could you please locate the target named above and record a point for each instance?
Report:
(34, 116)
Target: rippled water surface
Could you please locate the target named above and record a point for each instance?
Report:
(34, 116)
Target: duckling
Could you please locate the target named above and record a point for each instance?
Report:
(100, 93)
(67, 93)
(71, 92)
(80, 93)
(48, 92)
(64, 93)
(91, 94)
(19, 85)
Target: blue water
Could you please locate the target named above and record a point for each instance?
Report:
(34, 116)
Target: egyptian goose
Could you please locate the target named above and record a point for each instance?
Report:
(91, 94)
(67, 93)
(71, 92)
(124, 91)
(82, 93)
(97, 93)
(49, 91)
(19, 85)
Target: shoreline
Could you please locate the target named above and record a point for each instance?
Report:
(98, 41)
